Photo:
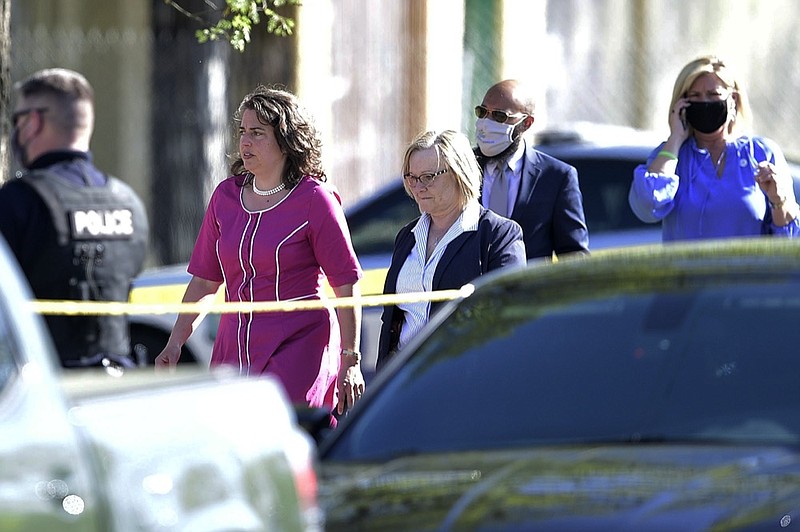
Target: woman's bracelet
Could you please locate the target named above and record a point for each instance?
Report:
(352, 354)
(668, 154)
(777, 204)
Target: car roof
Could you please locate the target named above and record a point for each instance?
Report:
(597, 136)
(655, 263)
(622, 152)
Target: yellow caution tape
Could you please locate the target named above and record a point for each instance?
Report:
(370, 284)
(75, 308)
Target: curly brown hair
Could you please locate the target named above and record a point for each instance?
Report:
(294, 132)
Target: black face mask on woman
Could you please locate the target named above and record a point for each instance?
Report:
(707, 117)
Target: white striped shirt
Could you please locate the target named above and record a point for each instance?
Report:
(416, 275)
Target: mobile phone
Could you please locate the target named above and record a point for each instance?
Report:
(683, 118)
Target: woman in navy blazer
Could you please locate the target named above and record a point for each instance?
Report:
(454, 241)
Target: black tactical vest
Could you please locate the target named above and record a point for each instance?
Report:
(99, 247)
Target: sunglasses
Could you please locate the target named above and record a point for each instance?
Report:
(19, 114)
(423, 179)
(498, 116)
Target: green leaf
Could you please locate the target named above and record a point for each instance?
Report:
(239, 17)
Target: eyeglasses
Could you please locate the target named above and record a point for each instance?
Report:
(19, 114)
(423, 179)
(498, 116)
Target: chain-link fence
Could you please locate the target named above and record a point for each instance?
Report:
(618, 60)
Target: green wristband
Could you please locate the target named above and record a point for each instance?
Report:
(668, 155)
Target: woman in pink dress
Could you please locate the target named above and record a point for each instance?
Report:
(272, 232)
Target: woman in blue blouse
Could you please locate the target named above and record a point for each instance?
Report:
(710, 179)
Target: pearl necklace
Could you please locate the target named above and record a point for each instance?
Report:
(269, 192)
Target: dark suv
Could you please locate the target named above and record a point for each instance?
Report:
(605, 157)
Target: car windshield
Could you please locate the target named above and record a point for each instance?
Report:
(713, 361)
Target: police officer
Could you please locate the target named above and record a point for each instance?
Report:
(77, 233)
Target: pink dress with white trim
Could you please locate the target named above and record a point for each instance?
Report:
(278, 254)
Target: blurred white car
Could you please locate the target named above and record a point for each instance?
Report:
(82, 450)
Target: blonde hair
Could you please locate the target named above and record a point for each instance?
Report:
(455, 150)
(711, 64)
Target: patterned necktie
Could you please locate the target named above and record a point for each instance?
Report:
(498, 198)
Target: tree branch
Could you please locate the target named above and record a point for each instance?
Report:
(238, 18)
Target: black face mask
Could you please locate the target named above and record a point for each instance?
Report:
(707, 117)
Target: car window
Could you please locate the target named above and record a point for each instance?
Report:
(604, 184)
(666, 365)
(374, 228)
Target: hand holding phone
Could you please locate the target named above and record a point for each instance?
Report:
(679, 126)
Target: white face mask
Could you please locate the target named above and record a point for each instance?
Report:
(493, 137)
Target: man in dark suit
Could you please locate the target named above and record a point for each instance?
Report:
(532, 188)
